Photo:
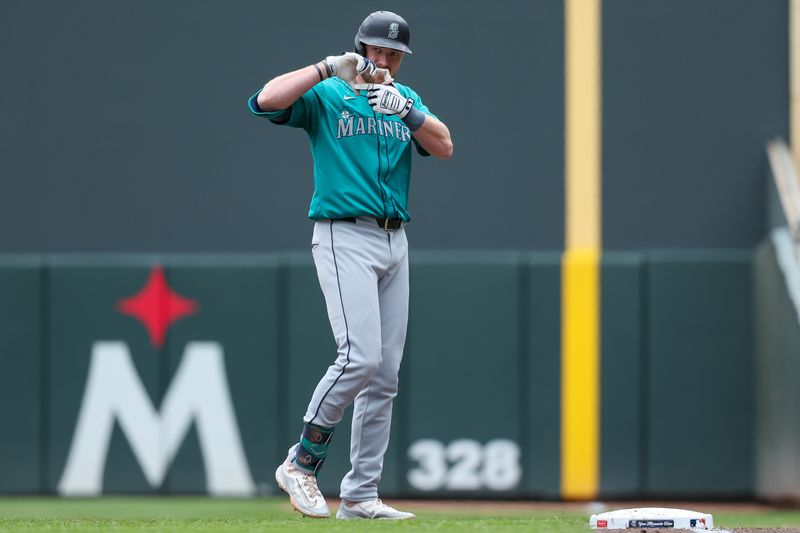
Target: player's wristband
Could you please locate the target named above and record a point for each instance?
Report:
(414, 119)
(319, 72)
(329, 66)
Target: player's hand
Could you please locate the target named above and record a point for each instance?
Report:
(349, 65)
(380, 76)
(386, 99)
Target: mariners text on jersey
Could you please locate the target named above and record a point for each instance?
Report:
(362, 159)
(372, 127)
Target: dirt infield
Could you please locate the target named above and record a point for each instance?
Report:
(492, 506)
(589, 508)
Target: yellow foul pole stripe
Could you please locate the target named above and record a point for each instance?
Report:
(580, 299)
(580, 371)
(582, 126)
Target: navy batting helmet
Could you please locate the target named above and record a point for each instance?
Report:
(386, 29)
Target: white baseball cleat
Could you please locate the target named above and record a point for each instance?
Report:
(371, 509)
(302, 489)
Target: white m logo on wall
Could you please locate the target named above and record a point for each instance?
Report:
(198, 393)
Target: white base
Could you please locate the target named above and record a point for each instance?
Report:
(651, 517)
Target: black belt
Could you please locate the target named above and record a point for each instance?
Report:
(389, 224)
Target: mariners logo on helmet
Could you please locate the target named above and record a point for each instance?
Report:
(383, 29)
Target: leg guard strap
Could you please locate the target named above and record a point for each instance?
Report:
(313, 448)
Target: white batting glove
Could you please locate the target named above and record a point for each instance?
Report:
(347, 66)
(386, 99)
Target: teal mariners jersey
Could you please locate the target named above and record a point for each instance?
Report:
(362, 159)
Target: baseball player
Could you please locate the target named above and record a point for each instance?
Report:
(362, 128)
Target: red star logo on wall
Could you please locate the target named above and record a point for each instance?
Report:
(157, 306)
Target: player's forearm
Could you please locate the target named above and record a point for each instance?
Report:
(282, 91)
(434, 136)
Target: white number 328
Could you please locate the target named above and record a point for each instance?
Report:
(465, 464)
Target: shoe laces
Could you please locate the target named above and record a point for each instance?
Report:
(310, 483)
(379, 505)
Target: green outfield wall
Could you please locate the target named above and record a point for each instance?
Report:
(97, 399)
(168, 373)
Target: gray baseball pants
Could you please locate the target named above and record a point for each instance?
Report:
(363, 273)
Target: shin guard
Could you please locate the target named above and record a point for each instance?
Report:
(313, 448)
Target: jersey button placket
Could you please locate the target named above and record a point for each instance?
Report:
(385, 192)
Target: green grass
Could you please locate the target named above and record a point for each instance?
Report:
(275, 514)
